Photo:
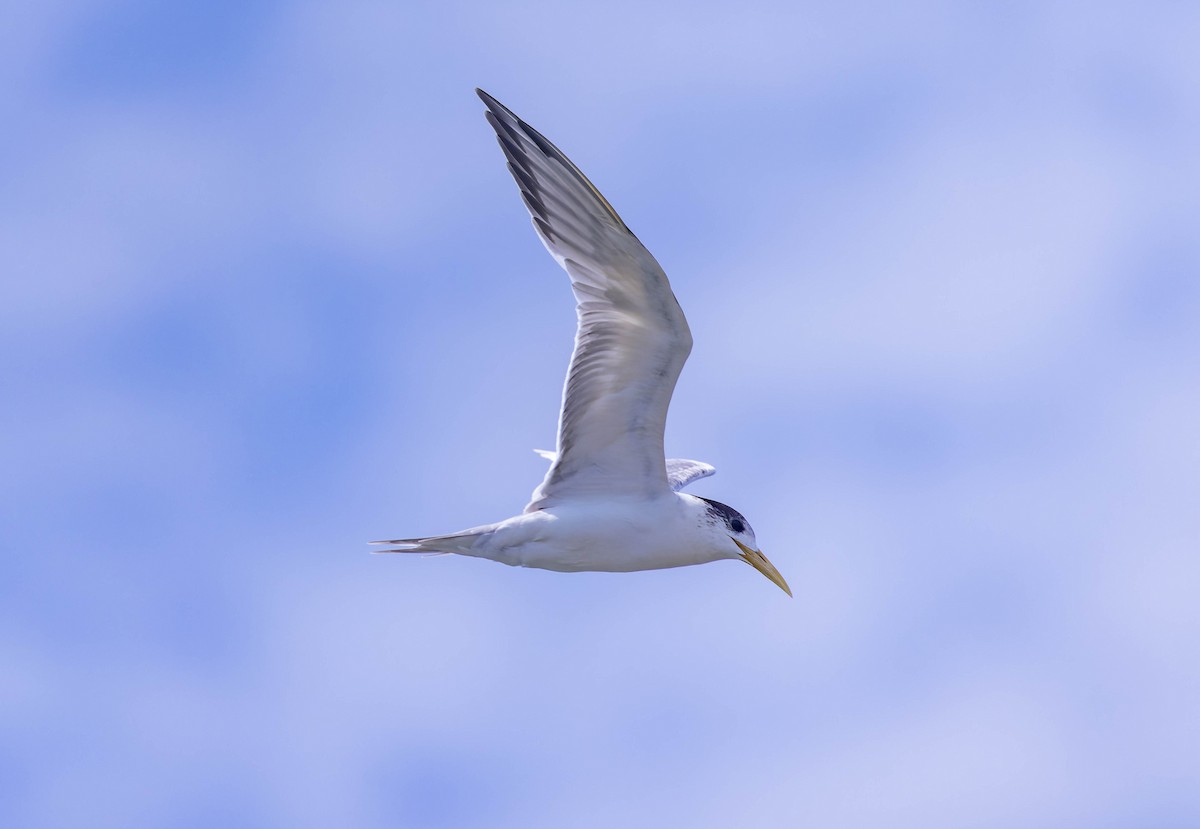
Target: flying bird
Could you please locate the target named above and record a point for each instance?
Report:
(610, 501)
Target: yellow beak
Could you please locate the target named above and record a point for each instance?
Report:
(759, 562)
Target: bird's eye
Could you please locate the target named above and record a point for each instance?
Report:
(737, 526)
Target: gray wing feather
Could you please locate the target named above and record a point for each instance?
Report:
(680, 472)
(632, 339)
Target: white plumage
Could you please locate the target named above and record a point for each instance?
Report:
(610, 500)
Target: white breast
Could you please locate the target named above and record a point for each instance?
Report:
(609, 534)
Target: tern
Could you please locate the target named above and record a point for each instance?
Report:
(611, 501)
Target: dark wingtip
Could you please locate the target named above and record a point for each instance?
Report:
(505, 121)
(491, 102)
(503, 115)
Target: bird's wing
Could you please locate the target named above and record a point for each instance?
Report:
(680, 472)
(632, 339)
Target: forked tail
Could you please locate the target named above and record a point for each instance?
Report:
(463, 543)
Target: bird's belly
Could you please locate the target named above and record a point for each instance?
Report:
(612, 538)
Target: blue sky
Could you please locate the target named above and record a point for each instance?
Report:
(269, 293)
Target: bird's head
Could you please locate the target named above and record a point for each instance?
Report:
(735, 539)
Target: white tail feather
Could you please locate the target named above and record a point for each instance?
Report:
(462, 543)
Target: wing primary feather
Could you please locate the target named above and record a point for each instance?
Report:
(498, 112)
